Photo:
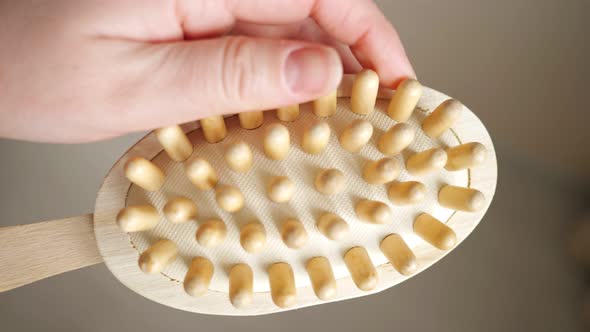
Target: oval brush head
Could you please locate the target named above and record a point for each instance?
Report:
(309, 203)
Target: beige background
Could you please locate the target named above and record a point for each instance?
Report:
(520, 65)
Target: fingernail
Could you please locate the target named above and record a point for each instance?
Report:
(308, 70)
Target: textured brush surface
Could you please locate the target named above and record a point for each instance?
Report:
(306, 205)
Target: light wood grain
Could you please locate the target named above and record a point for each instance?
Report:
(33, 252)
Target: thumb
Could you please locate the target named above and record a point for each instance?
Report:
(193, 80)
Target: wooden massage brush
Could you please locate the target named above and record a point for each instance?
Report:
(263, 212)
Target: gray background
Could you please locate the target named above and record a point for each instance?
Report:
(519, 64)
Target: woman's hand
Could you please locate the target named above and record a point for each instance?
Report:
(76, 71)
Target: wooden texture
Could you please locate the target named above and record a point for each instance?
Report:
(174, 142)
(121, 257)
(33, 252)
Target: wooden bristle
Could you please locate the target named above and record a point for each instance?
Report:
(396, 139)
(322, 278)
(144, 173)
(239, 157)
(293, 234)
(406, 193)
(442, 118)
(434, 232)
(316, 138)
(241, 285)
(461, 198)
(364, 92)
(158, 256)
(251, 120)
(276, 141)
(325, 106)
(175, 143)
(211, 233)
(356, 135)
(373, 212)
(214, 128)
(200, 172)
(465, 156)
(398, 253)
(330, 181)
(381, 171)
(404, 100)
(180, 209)
(361, 268)
(288, 113)
(332, 226)
(229, 198)
(280, 189)
(253, 237)
(282, 285)
(137, 218)
(198, 277)
(426, 162)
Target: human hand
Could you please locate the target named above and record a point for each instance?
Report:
(78, 71)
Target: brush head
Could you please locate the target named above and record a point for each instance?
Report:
(323, 208)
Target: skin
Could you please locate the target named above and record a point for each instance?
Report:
(78, 71)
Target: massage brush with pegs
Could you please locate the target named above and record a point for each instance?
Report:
(263, 212)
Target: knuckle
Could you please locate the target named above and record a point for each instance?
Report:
(237, 65)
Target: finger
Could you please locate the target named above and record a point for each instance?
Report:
(191, 80)
(356, 23)
(306, 30)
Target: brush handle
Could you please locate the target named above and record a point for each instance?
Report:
(36, 251)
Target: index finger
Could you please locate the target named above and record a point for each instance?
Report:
(357, 23)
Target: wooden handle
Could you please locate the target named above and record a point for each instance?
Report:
(33, 252)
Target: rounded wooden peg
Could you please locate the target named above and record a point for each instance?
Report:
(280, 189)
(315, 138)
(158, 256)
(253, 237)
(241, 285)
(426, 162)
(465, 156)
(364, 92)
(322, 278)
(381, 171)
(180, 209)
(137, 218)
(396, 139)
(404, 100)
(282, 285)
(373, 212)
(144, 173)
(293, 234)
(325, 106)
(361, 268)
(198, 277)
(211, 233)
(435, 232)
(332, 226)
(399, 255)
(214, 128)
(461, 198)
(406, 193)
(251, 120)
(276, 141)
(239, 157)
(330, 181)
(229, 198)
(288, 113)
(356, 135)
(442, 118)
(200, 172)
(175, 143)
